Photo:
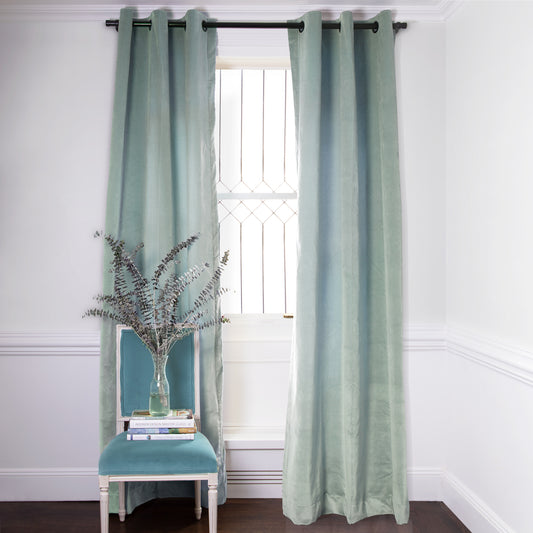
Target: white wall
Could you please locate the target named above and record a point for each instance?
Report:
(421, 82)
(56, 92)
(489, 169)
(420, 73)
(56, 87)
(489, 160)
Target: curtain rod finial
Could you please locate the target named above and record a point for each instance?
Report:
(112, 23)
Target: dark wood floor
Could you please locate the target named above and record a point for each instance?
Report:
(236, 516)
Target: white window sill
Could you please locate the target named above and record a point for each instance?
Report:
(258, 328)
(254, 440)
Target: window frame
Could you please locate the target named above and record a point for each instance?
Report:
(249, 321)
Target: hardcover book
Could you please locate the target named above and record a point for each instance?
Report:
(174, 413)
(160, 436)
(158, 431)
(178, 418)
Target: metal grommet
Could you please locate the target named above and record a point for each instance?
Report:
(301, 27)
(376, 27)
(204, 25)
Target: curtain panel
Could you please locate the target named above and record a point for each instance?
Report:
(345, 436)
(162, 190)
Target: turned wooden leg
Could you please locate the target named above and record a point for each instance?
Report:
(121, 501)
(198, 499)
(212, 502)
(104, 504)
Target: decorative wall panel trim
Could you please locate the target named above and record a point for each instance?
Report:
(508, 360)
(424, 337)
(502, 358)
(49, 484)
(416, 338)
(49, 343)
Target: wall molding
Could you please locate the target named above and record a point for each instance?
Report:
(500, 357)
(424, 483)
(434, 11)
(424, 337)
(43, 343)
(469, 508)
(508, 360)
(49, 484)
(417, 337)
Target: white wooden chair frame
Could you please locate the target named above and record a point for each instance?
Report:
(211, 478)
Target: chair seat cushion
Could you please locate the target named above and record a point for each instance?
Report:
(145, 457)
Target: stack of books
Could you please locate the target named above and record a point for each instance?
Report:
(178, 425)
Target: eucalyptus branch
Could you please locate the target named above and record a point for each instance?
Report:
(151, 306)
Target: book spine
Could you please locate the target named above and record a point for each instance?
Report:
(160, 436)
(182, 414)
(155, 431)
(161, 423)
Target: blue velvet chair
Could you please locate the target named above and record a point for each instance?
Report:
(181, 460)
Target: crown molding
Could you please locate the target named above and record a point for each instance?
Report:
(93, 12)
(448, 8)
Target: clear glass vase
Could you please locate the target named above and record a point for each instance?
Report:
(159, 404)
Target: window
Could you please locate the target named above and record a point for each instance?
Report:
(257, 188)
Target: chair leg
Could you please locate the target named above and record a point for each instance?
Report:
(212, 484)
(121, 501)
(198, 499)
(104, 504)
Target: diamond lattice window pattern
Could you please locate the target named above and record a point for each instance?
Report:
(257, 188)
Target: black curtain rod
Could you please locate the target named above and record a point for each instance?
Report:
(374, 26)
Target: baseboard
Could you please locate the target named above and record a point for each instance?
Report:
(49, 484)
(469, 508)
(424, 484)
(253, 473)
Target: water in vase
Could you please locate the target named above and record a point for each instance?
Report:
(158, 404)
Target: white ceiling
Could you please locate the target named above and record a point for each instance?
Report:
(426, 10)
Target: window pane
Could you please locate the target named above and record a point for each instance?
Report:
(229, 123)
(230, 239)
(274, 151)
(252, 128)
(257, 189)
(252, 266)
(291, 172)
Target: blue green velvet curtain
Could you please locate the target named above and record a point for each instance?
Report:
(162, 190)
(345, 437)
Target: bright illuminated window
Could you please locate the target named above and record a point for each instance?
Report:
(257, 188)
